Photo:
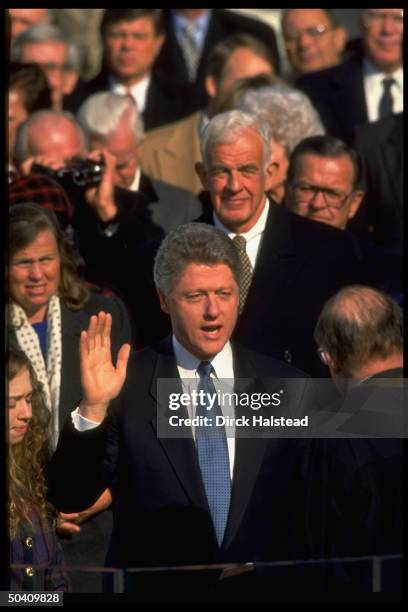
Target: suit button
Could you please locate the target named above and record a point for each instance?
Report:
(287, 356)
(29, 542)
(30, 571)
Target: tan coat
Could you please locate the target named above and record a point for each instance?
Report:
(170, 152)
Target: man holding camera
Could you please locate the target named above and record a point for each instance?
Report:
(114, 225)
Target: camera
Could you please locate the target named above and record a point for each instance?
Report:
(81, 174)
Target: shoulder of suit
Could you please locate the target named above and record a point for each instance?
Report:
(165, 189)
(164, 132)
(266, 366)
(340, 72)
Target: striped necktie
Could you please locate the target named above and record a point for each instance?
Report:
(190, 49)
(246, 270)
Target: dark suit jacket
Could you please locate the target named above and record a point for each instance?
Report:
(338, 95)
(161, 515)
(124, 261)
(300, 265)
(165, 101)
(222, 23)
(381, 212)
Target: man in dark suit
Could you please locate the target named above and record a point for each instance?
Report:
(132, 39)
(294, 264)
(366, 87)
(173, 505)
(360, 339)
(381, 146)
(210, 26)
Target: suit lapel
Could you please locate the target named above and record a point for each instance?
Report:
(392, 158)
(348, 96)
(72, 323)
(181, 452)
(249, 452)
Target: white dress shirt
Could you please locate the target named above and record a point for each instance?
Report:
(373, 89)
(138, 91)
(253, 237)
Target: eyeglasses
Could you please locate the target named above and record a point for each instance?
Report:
(332, 198)
(313, 31)
(324, 356)
(373, 16)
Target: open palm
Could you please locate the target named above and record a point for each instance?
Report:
(101, 380)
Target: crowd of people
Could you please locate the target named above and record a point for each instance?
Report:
(181, 209)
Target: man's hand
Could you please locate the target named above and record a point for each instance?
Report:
(101, 380)
(101, 198)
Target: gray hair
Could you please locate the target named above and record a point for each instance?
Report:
(22, 149)
(358, 324)
(225, 127)
(101, 113)
(43, 33)
(193, 243)
(288, 111)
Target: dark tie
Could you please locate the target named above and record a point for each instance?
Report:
(246, 277)
(213, 456)
(190, 49)
(386, 103)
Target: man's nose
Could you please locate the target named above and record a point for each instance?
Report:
(318, 201)
(234, 183)
(304, 40)
(212, 309)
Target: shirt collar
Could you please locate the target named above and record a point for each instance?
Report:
(136, 181)
(254, 232)
(222, 362)
(371, 72)
(138, 90)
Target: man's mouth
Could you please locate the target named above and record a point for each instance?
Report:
(211, 331)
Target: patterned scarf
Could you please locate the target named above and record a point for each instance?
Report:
(48, 374)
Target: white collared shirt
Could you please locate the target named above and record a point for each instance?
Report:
(136, 181)
(222, 364)
(373, 89)
(138, 91)
(253, 237)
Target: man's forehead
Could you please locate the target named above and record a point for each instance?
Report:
(247, 142)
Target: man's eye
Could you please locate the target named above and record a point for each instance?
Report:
(28, 398)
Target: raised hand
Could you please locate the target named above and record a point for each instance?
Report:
(101, 198)
(101, 380)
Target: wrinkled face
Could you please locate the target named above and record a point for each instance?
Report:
(34, 275)
(237, 180)
(382, 37)
(17, 113)
(19, 406)
(52, 57)
(318, 179)
(311, 41)
(203, 308)
(242, 63)
(131, 48)
(24, 18)
(123, 146)
(55, 139)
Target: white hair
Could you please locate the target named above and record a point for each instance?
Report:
(288, 111)
(225, 127)
(102, 112)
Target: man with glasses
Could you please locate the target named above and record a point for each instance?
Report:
(313, 40)
(324, 181)
(368, 86)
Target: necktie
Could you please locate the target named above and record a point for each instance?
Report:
(240, 244)
(213, 456)
(386, 103)
(190, 49)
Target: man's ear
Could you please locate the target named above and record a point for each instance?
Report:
(163, 299)
(340, 37)
(202, 174)
(270, 175)
(355, 203)
(210, 86)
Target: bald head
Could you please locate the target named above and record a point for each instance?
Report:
(52, 134)
(361, 330)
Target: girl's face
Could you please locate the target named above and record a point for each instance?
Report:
(19, 406)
